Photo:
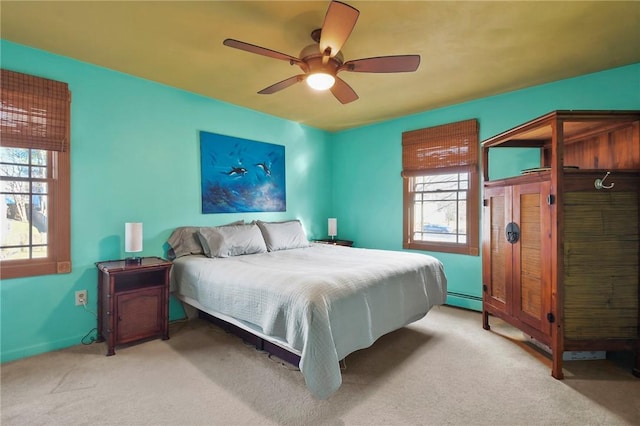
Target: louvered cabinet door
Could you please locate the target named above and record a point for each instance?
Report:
(496, 251)
(531, 301)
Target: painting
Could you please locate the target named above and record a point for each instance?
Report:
(240, 175)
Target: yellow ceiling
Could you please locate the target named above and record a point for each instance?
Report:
(469, 49)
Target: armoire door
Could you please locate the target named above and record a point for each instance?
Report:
(496, 250)
(531, 273)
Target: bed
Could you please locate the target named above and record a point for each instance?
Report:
(318, 301)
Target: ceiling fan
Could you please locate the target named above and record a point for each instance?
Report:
(322, 61)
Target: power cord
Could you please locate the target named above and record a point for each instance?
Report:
(84, 305)
(87, 339)
(91, 338)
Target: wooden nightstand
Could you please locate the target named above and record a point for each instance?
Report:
(133, 301)
(345, 243)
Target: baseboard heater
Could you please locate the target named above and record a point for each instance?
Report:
(259, 343)
(464, 296)
(463, 300)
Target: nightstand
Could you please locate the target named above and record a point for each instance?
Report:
(345, 243)
(133, 301)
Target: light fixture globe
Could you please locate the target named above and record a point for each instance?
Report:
(321, 72)
(320, 81)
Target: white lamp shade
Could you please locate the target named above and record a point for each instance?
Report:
(333, 226)
(133, 237)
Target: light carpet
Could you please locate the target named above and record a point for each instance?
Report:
(442, 370)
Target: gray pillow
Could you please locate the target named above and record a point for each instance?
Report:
(184, 240)
(283, 235)
(235, 240)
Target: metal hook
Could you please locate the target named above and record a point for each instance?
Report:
(599, 183)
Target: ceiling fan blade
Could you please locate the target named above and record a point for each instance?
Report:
(338, 24)
(343, 92)
(383, 64)
(282, 85)
(252, 48)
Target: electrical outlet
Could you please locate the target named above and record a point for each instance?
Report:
(81, 297)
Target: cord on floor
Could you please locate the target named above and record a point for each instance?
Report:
(91, 339)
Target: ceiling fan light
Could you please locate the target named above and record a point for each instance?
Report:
(320, 81)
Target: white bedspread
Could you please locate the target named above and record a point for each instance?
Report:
(324, 301)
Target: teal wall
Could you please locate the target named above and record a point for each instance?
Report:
(135, 157)
(367, 161)
(128, 133)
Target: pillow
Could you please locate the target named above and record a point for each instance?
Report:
(234, 240)
(283, 235)
(184, 241)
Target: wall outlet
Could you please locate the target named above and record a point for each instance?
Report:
(81, 297)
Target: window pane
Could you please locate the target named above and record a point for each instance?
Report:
(15, 239)
(14, 253)
(39, 157)
(14, 170)
(39, 252)
(14, 155)
(39, 172)
(14, 187)
(24, 215)
(39, 187)
(39, 218)
(439, 212)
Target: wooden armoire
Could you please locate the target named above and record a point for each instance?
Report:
(560, 242)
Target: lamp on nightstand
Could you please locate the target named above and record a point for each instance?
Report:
(133, 242)
(333, 227)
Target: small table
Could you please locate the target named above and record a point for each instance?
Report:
(334, 242)
(133, 301)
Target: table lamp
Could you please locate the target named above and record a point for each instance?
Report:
(333, 227)
(133, 242)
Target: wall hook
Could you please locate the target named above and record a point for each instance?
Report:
(599, 183)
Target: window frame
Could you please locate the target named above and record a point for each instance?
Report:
(471, 247)
(29, 93)
(445, 149)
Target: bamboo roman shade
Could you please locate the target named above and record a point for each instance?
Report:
(448, 145)
(34, 112)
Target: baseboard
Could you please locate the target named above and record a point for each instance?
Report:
(26, 352)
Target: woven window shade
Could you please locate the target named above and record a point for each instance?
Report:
(448, 145)
(34, 112)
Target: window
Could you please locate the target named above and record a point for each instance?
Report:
(34, 176)
(441, 188)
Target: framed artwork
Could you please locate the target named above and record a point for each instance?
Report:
(240, 175)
